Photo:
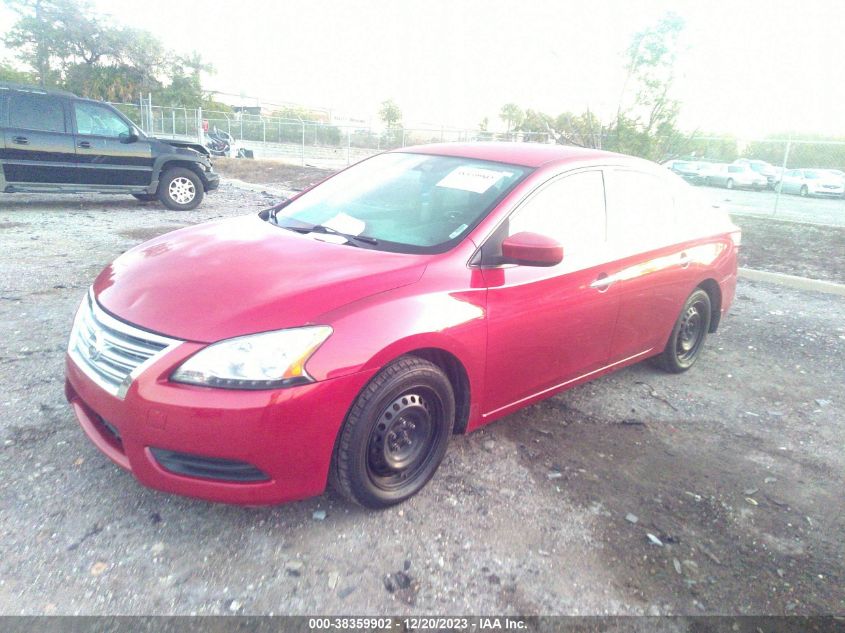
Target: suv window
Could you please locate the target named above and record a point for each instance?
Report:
(569, 210)
(36, 112)
(96, 120)
(640, 210)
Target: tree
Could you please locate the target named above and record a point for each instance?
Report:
(646, 122)
(68, 44)
(512, 115)
(390, 113)
(10, 74)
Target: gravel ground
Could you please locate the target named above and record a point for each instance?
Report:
(735, 468)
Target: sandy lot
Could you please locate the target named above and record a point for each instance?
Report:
(736, 468)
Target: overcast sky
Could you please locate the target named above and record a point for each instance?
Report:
(749, 68)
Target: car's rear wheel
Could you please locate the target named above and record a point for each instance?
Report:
(145, 197)
(395, 435)
(804, 191)
(730, 183)
(180, 189)
(688, 335)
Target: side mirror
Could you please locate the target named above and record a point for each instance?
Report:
(128, 137)
(531, 249)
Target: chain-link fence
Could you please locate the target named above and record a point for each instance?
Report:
(788, 178)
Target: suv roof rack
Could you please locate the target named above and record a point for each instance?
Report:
(7, 85)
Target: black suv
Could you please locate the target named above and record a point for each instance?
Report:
(53, 141)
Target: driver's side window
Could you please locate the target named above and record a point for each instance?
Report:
(570, 209)
(96, 120)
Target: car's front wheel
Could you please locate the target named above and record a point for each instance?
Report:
(395, 435)
(180, 189)
(687, 338)
(804, 191)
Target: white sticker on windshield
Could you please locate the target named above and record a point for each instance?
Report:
(457, 231)
(343, 223)
(474, 179)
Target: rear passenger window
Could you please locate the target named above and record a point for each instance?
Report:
(640, 211)
(35, 112)
(570, 210)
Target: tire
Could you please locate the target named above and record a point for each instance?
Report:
(395, 435)
(688, 335)
(180, 189)
(146, 197)
(804, 191)
(730, 183)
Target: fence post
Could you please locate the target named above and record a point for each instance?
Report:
(403, 137)
(302, 147)
(263, 130)
(200, 132)
(348, 144)
(185, 110)
(173, 122)
(782, 173)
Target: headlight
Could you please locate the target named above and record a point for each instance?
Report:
(258, 361)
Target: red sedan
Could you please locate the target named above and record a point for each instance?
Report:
(346, 334)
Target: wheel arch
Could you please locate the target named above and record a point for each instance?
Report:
(169, 163)
(711, 287)
(458, 378)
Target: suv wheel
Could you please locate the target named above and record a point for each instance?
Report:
(180, 189)
(395, 435)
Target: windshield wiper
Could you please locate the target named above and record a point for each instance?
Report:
(327, 230)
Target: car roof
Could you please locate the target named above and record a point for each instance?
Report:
(524, 154)
(7, 85)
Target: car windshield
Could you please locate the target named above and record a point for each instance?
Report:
(402, 202)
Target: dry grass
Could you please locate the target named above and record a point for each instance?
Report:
(269, 172)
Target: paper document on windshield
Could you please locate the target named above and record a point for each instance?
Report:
(343, 223)
(474, 179)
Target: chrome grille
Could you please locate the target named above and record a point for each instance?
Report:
(112, 353)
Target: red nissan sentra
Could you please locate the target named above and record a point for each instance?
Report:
(345, 334)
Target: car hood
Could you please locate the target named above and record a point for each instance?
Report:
(244, 275)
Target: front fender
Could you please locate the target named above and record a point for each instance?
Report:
(370, 333)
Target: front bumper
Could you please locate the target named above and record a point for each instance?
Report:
(287, 435)
(211, 180)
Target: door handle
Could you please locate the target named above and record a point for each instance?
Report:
(20, 140)
(684, 260)
(85, 144)
(603, 282)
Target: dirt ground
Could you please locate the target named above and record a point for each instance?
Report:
(735, 469)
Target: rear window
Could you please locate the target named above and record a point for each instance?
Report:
(36, 112)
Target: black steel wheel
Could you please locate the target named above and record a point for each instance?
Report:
(688, 335)
(395, 435)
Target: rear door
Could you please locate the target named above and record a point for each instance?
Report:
(37, 143)
(652, 268)
(548, 326)
(107, 150)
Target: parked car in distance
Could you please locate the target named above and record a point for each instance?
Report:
(734, 176)
(55, 142)
(761, 167)
(812, 182)
(346, 334)
(689, 170)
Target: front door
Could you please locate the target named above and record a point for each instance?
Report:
(37, 144)
(549, 326)
(107, 150)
